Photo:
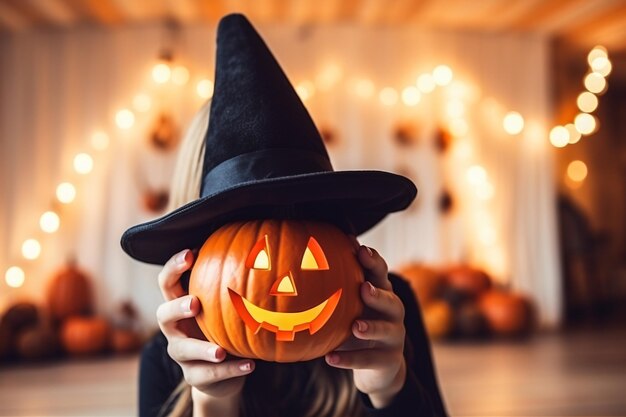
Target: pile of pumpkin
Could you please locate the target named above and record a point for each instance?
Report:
(66, 323)
(462, 302)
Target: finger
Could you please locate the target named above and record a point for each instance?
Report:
(170, 274)
(376, 270)
(384, 301)
(362, 359)
(183, 349)
(380, 331)
(202, 374)
(355, 243)
(170, 312)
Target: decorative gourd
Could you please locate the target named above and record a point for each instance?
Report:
(426, 282)
(507, 314)
(467, 280)
(37, 343)
(16, 318)
(277, 290)
(85, 335)
(438, 319)
(69, 293)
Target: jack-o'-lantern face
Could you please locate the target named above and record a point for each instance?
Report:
(277, 290)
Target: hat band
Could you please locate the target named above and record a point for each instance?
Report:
(264, 164)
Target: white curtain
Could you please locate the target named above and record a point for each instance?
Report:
(58, 87)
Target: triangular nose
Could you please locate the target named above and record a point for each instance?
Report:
(284, 286)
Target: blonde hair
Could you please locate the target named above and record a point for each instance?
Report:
(313, 388)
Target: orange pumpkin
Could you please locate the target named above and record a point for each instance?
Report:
(507, 314)
(69, 293)
(277, 290)
(467, 280)
(438, 319)
(426, 282)
(85, 335)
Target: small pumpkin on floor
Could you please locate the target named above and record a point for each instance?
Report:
(507, 314)
(84, 336)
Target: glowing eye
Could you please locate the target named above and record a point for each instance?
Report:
(259, 255)
(313, 257)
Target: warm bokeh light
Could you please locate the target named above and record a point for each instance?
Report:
(585, 123)
(577, 171)
(31, 249)
(83, 163)
(574, 135)
(305, 90)
(597, 52)
(426, 83)
(606, 68)
(49, 222)
(99, 140)
(124, 119)
(587, 102)
(14, 277)
(364, 87)
(66, 192)
(329, 76)
(595, 82)
(487, 236)
(599, 63)
(559, 136)
(388, 96)
(180, 75)
(142, 102)
(442, 74)
(513, 123)
(161, 73)
(204, 88)
(455, 108)
(458, 127)
(485, 191)
(476, 175)
(411, 96)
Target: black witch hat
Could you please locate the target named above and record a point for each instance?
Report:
(264, 158)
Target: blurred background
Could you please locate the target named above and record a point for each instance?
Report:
(508, 115)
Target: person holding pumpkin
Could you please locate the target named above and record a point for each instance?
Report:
(272, 308)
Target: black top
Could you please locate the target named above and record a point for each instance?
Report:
(159, 374)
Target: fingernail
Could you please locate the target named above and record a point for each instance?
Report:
(370, 252)
(245, 367)
(180, 258)
(373, 289)
(217, 354)
(361, 326)
(333, 358)
(185, 306)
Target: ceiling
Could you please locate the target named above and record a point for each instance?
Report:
(580, 22)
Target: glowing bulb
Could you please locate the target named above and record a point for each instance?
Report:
(585, 123)
(605, 70)
(83, 163)
(31, 249)
(599, 63)
(388, 96)
(14, 277)
(595, 82)
(142, 102)
(161, 73)
(125, 119)
(49, 222)
(66, 192)
(426, 83)
(442, 74)
(99, 140)
(204, 88)
(587, 102)
(513, 123)
(458, 127)
(476, 175)
(596, 52)
(364, 88)
(328, 77)
(559, 136)
(411, 96)
(180, 75)
(577, 171)
(305, 90)
(455, 108)
(574, 135)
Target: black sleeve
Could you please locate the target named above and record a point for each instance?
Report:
(420, 395)
(159, 375)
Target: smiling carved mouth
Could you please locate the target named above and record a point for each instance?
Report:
(285, 325)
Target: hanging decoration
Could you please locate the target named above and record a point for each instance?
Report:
(405, 134)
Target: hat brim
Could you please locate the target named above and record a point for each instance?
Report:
(363, 198)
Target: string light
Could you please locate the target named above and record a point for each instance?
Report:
(559, 136)
(31, 249)
(49, 222)
(161, 73)
(596, 52)
(204, 88)
(388, 96)
(305, 90)
(329, 76)
(83, 163)
(574, 135)
(513, 123)
(364, 87)
(426, 83)
(14, 277)
(142, 102)
(585, 123)
(587, 102)
(577, 171)
(605, 70)
(595, 82)
(180, 75)
(411, 96)
(442, 75)
(476, 175)
(66, 192)
(125, 119)
(99, 140)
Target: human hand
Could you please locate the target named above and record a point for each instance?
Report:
(203, 363)
(375, 351)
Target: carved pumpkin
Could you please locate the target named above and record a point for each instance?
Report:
(277, 290)
(69, 293)
(85, 335)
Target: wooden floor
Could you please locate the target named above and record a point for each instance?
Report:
(574, 374)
